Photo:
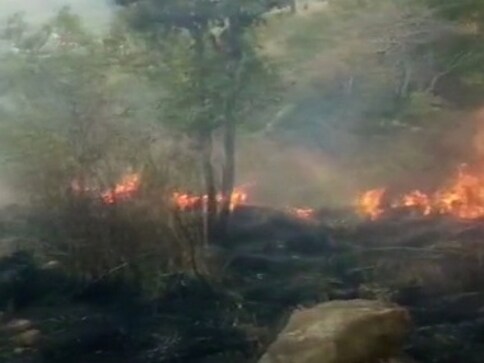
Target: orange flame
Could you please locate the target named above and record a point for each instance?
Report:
(415, 199)
(370, 203)
(239, 197)
(130, 184)
(185, 201)
(463, 198)
(125, 189)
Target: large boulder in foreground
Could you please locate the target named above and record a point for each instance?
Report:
(353, 331)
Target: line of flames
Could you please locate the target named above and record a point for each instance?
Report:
(130, 184)
(186, 201)
(462, 198)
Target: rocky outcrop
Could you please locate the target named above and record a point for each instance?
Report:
(29, 338)
(353, 331)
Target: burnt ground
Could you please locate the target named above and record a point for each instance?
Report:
(272, 263)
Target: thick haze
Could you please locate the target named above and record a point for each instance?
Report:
(96, 15)
(95, 12)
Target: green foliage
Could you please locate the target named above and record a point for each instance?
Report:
(81, 113)
(375, 78)
(421, 106)
(195, 76)
(70, 110)
(179, 74)
(461, 10)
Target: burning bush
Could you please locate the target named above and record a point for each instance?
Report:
(106, 211)
(138, 239)
(461, 198)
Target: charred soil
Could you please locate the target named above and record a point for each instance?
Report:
(271, 264)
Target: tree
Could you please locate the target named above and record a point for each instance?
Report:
(65, 108)
(219, 63)
(376, 83)
(76, 117)
(463, 11)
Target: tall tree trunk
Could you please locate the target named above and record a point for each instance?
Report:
(205, 141)
(235, 68)
(210, 207)
(405, 84)
(228, 174)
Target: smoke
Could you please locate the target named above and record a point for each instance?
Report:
(280, 175)
(7, 195)
(318, 160)
(294, 170)
(479, 132)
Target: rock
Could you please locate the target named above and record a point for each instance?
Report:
(19, 350)
(28, 338)
(18, 326)
(351, 331)
(51, 265)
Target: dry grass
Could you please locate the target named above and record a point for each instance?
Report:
(140, 241)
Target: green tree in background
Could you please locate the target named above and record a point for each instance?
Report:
(67, 111)
(365, 75)
(218, 76)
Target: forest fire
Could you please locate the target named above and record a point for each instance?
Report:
(370, 203)
(125, 189)
(240, 196)
(186, 201)
(462, 198)
(130, 184)
(182, 201)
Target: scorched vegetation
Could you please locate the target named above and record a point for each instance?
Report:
(184, 179)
